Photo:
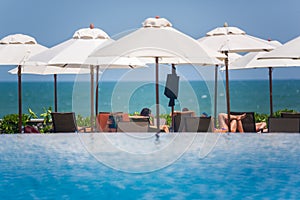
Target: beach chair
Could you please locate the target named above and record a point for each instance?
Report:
(283, 125)
(101, 121)
(64, 122)
(141, 126)
(290, 115)
(107, 121)
(179, 124)
(198, 124)
(248, 122)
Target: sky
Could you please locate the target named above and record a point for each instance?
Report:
(52, 22)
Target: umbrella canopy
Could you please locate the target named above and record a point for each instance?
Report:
(250, 60)
(233, 40)
(14, 50)
(157, 39)
(289, 50)
(75, 51)
(229, 40)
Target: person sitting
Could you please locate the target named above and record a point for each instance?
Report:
(235, 122)
(147, 112)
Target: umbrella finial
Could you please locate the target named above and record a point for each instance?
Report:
(225, 24)
(156, 22)
(91, 26)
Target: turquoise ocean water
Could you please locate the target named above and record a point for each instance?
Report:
(250, 95)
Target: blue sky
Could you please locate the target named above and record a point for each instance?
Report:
(55, 21)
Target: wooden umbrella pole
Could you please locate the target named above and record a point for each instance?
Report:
(227, 91)
(157, 93)
(216, 95)
(20, 98)
(55, 92)
(172, 110)
(92, 97)
(97, 89)
(271, 91)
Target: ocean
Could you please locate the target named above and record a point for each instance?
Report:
(247, 96)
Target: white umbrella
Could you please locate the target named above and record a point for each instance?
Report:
(232, 39)
(14, 50)
(74, 53)
(157, 39)
(289, 50)
(251, 60)
(50, 70)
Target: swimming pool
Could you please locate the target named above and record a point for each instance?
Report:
(204, 166)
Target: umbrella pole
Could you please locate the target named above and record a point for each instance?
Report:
(157, 93)
(216, 95)
(20, 98)
(172, 111)
(97, 89)
(271, 91)
(55, 92)
(227, 91)
(92, 97)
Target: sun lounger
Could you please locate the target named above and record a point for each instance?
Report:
(101, 121)
(283, 125)
(179, 124)
(198, 124)
(107, 121)
(64, 122)
(290, 115)
(248, 122)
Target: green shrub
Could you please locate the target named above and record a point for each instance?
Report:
(262, 117)
(46, 127)
(278, 113)
(167, 117)
(9, 123)
(83, 121)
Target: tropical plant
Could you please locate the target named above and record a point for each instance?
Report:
(46, 127)
(9, 123)
(83, 121)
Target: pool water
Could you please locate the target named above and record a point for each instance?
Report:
(205, 166)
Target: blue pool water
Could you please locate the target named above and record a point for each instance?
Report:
(181, 166)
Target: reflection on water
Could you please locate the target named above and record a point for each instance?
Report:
(181, 166)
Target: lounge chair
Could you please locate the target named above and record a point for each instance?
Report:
(179, 124)
(198, 124)
(290, 115)
(103, 118)
(141, 126)
(64, 122)
(248, 122)
(283, 125)
(101, 121)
